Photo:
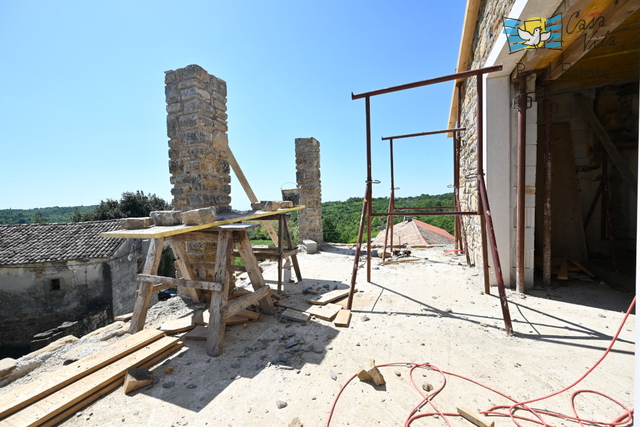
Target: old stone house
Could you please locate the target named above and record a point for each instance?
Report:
(55, 274)
(585, 64)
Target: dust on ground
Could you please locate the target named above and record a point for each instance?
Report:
(433, 311)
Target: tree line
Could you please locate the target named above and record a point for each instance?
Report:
(340, 220)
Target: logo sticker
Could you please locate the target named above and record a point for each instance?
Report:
(534, 33)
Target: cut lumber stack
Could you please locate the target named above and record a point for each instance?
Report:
(52, 398)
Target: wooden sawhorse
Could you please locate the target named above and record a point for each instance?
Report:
(227, 236)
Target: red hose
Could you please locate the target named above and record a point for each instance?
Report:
(625, 418)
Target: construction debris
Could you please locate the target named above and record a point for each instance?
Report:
(343, 318)
(475, 418)
(137, 378)
(369, 372)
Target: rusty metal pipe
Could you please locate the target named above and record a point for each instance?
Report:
(520, 185)
(424, 207)
(356, 260)
(456, 76)
(369, 195)
(546, 227)
(484, 200)
(423, 213)
(411, 135)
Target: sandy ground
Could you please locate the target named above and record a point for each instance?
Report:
(428, 311)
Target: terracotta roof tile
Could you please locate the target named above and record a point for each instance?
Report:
(36, 243)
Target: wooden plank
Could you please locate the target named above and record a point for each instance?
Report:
(475, 418)
(401, 260)
(563, 273)
(617, 158)
(235, 320)
(215, 332)
(169, 282)
(144, 293)
(231, 159)
(247, 300)
(65, 398)
(107, 389)
(197, 334)
(254, 272)
(252, 315)
(325, 312)
(577, 264)
(123, 317)
(83, 403)
(343, 318)
(178, 325)
(19, 398)
(330, 296)
(186, 269)
(172, 230)
(295, 315)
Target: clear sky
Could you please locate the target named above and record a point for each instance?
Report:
(82, 111)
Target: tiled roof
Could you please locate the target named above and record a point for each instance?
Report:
(416, 232)
(36, 243)
(433, 235)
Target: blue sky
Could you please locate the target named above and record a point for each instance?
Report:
(82, 116)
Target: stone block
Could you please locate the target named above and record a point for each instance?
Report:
(200, 216)
(194, 92)
(166, 218)
(135, 223)
(256, 206)
(310, 246)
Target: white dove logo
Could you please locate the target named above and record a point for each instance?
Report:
(533, 39)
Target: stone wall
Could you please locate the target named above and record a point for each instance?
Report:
(308, 179)
(487, 30)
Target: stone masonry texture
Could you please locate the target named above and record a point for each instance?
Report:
(488, 28)
(196, 127)
(197, 131)
(308, 179)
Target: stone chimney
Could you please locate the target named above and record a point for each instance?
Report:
(308, 179)
(197, 131)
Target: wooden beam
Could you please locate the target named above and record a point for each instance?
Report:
(145, 290)
(614, 14)
(253, 270)
(186, 269)
(247, 300)
(169, 282)
(247, 189)
(618, 160)
(215, 332)
(537, 59)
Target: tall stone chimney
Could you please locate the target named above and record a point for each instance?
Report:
(308, 179)
(196, 127)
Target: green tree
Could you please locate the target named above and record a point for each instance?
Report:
(39, 218)
(130, 205)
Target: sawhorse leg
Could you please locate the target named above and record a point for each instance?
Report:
(145, 291)
(215, 333)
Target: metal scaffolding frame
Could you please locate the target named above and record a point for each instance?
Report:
(484, 211)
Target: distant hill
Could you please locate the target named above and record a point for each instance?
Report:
(340, 220)
(48, 215)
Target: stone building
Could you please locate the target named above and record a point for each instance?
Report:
(55, 274)
(586, 62)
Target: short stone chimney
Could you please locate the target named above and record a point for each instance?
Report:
(308, 179)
